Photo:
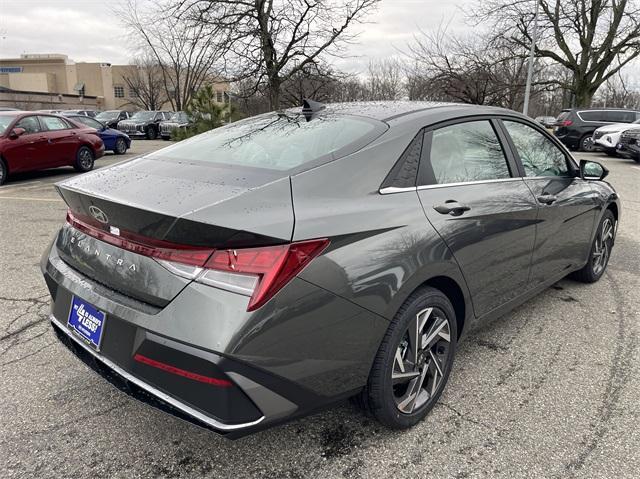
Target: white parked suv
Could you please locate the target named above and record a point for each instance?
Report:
(608, 136)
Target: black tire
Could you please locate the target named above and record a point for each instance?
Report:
(611, 152)
(151, 132)
(636, 158)
(386, 401)
(587, 144)
(4, 172)
(121, 147)
(85, 159)
(600, 251)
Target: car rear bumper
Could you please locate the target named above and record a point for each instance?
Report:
(139, 388)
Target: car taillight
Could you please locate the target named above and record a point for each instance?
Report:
(566, 123)
(262, 272)
(255, 272)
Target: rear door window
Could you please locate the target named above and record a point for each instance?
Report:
(594, 115)
(52, 123)
(463, 152)
(539, 155)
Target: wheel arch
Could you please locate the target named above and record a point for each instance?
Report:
(453, 287)
(452, 290)
(6, 164)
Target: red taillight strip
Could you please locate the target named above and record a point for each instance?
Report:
(186, 254)
(222, 383)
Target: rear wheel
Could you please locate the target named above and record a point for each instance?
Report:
(121, 146)
(587, 144)
(600, 251)
(414, 360)
(4, 172)
(84, 159)
(151, 132)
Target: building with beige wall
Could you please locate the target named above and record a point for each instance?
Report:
(55, 76)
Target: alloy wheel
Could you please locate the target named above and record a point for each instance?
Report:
(602, 247)
(121, 147)
(85, 158)
(421, 359)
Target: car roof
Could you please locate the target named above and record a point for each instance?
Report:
(13, 112)
(392, 110)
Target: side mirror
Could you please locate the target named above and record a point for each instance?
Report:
(17, 132)
(592, 170)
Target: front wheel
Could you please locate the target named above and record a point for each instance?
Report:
(414, 360)
(84, 159)
(121, 147)
(151, 133)
(600, 251)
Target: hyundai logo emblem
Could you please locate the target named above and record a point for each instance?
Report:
(98, 214)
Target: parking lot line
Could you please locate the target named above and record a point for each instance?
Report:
(23, 198)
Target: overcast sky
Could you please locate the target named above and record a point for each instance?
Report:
(86, 30)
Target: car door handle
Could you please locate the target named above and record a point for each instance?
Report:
(451, 207)
(547, 199)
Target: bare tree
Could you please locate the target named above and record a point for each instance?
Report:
(593, 39)
(469, 69)
(184, 51)
(270, 41)
(145, 80)
(385, 79)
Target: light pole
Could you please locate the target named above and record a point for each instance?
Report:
(534, 35)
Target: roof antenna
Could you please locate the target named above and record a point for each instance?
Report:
(310, 107)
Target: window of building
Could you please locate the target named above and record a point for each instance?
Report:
(118, 91)
(132, 93)
(219, 97)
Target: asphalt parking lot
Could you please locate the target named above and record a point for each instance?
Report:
(550, 390)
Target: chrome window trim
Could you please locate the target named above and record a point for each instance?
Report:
(608, 122)
(152, 390)
(390, 190)
(477, 182)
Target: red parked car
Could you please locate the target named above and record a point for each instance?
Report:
(36, 141)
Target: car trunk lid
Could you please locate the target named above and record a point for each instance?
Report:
(171, 208)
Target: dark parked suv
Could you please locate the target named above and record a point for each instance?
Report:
(144, 124)
(575, 126)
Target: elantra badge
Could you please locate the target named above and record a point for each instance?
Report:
(98, 214)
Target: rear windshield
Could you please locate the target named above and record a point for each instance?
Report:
(277, 141)
(563, 116)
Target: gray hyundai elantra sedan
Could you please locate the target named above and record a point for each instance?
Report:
(265, 269)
